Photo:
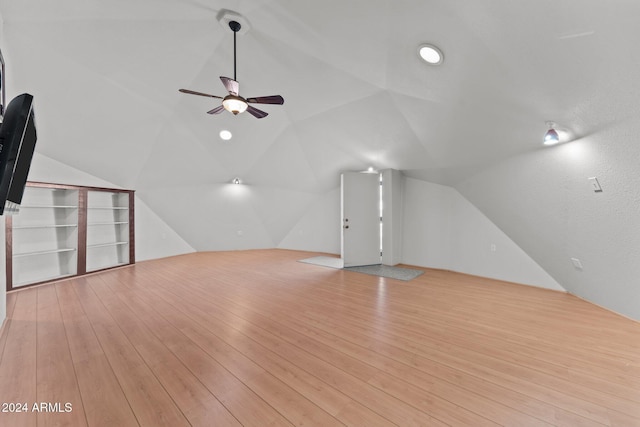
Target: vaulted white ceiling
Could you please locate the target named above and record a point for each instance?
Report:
(106, 74)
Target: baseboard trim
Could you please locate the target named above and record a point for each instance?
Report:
(605, 308)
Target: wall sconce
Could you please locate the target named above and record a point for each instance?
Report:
(551, 137)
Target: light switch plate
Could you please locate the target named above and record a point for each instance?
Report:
(595, 185)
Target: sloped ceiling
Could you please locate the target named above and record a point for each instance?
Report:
(106, 77)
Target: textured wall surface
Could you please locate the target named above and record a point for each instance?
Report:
(544, 202)
(318, 229)
(444, 230)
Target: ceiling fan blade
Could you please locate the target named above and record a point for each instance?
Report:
(232, 85)
(193, 92)
(273, 99)
(216, 110)
(258, 114)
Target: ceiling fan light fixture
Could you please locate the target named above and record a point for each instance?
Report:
(234, 104)
(431, 54)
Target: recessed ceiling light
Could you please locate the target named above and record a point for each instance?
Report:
(225, 135)
(431, 54)
(236, 181)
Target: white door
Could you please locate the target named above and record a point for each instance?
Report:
(360, 218)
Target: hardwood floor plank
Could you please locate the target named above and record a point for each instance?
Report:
(360, 371)
(56, 378)
(622, 405)
(243, 403)
(595, 408)
(328, 398)
(479, 404)
(287, 401)
(599, 415)
(256, 338)
(150, 402)
(402, 413)
(104, 401)
(11, 303)
(18, 369)
(470, 350)
(434, 314)
(200, 407)
(337, 326)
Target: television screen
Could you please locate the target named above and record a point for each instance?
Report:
(17, 142)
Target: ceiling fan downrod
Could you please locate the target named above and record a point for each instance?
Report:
(235, 27)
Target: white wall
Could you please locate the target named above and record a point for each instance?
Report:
(427, 223)
(440, 229)
(444, 230)
(392, 216)
(154, 238)
(543, 201)
(225, 216)
(318, 229)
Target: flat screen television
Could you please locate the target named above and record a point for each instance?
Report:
(17, 142)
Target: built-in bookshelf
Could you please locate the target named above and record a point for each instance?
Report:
(107, 229)
(66, 230)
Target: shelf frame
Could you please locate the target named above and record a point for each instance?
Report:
(82, 226)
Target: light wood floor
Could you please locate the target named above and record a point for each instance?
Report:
(256, 338)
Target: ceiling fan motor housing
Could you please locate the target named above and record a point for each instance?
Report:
(235, 26)
(225, 17)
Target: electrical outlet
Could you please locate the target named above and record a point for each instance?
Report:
(239, 233)
(493, 247)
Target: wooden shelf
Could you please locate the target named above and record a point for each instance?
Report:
(110, 208)
(48, 207)
(104, 245)
(26, 227)
(45, 252)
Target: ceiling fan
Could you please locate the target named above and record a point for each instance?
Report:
(233, 102)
